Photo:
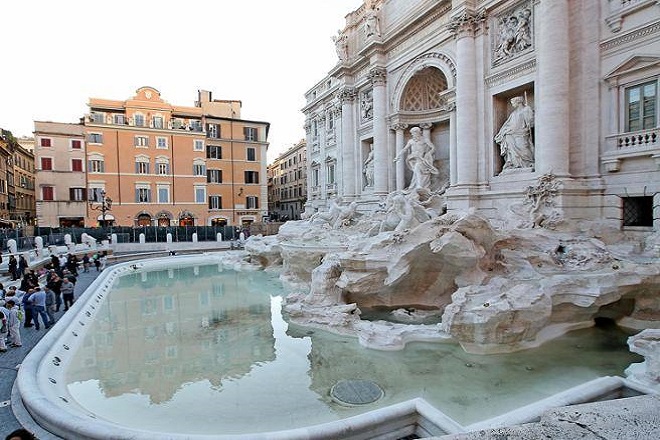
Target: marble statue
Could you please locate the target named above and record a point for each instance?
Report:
(646, 343)
(341, 45)
(515, 136)
(372, 22)
(366, 106)
(368, 168)
(336, 216)
(514, 35)
(419, 159)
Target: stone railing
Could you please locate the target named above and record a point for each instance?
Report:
(642, 138)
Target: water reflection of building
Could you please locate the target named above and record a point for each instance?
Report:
(161, 330)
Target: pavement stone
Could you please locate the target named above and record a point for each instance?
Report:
(11, 360)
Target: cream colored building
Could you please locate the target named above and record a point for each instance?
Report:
(61, 184)
(588, 70)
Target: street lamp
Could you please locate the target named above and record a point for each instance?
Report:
(104, 205)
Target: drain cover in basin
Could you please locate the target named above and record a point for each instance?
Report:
(356, 392)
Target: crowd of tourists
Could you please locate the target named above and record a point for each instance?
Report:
(39, 295)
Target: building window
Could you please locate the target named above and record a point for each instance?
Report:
(47, 193)
(213, 131)
(198, 145)
(119, 119)
(163, 194)
(142, 195)
(161, 142)
(331, 121)
(141, 167)
(199, 169)
(77, 194)
(76, 164)
(252, 202)
(251, 177)
(641, 105)
(141, 141)
(331, 173)
(95, 138)
(45, 142)
(157, 122)
(638, 211)
(76, 144)
(214, 176)
(195, 125)
(251, 133)
(200, 194)
(97, 117)
(96, 166)
(46, 163)
(215, 202)
(315, 129)
(139, 120)
(162, 168)
(95, 194)
(213, 152)
(251, 154)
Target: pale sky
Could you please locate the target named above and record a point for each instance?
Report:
(266, 53)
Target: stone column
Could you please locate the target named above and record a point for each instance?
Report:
(347, 98)
(400, 165)
(426, 130)
(308, 139)
(381, 164)
(552, 88)
(464, 27)
(453, 147)
(320, 124)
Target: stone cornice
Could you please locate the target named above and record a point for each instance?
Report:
(510, 73)
(628, 37)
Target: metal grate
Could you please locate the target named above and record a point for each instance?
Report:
(638, 211)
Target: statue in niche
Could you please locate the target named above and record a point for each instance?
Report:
(368, 168)
(515, 136)
(341, 45)
(419, 159)
(371, 22)
(366, 106)
(515, 34)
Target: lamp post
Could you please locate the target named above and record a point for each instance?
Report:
(104, 205)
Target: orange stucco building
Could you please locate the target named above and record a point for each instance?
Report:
(168, 165)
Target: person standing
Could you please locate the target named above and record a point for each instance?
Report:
(4, 326)
(22, 265)
(67, 293)
(38, 301)
(13, 267)
(14, 323)
(50, 304)
(85, 262)
(55, 284)
(55, 262)
(27, 308)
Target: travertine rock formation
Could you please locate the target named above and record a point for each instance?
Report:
(497, 290)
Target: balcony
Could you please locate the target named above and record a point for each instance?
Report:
(632, 144)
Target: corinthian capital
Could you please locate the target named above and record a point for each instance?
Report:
(347, 94)
(377, 75)
(467, 23)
